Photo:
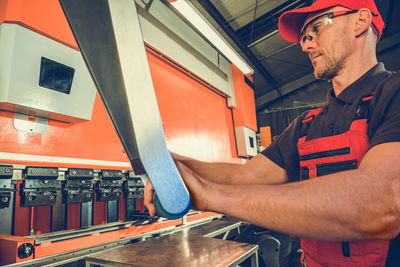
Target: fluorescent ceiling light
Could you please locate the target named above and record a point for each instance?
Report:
(190, 13)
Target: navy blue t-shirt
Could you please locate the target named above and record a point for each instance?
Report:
(337, 116)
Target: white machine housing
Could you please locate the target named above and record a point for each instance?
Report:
(246, 141)
(42, 77)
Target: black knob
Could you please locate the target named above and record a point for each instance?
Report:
(25, 250)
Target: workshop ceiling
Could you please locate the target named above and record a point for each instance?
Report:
(282, 70)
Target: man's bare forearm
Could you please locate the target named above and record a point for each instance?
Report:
(217, 172)
(259, 170)
(351, 205)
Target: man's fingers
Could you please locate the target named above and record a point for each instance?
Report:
(148, 192)
(148, 198)
(152, 210)
(177, 157)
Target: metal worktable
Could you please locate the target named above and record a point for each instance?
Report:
(193, 246)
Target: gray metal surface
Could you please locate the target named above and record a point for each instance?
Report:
(7, 218)
(58, 211)
(188, 247)
(101, 228)
(83, 231)
(112, 210)
(116, 57)
(130, 207)
(168, 33)
(86, 214)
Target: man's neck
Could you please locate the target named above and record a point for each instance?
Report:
(351, 72)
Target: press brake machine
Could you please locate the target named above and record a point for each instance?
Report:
(66, 179)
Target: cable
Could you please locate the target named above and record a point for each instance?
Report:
(254, 21)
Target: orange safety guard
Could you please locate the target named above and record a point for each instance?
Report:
(245, 111)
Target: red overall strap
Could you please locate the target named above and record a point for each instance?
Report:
(306, 123)
(326, 155)
(312, 114)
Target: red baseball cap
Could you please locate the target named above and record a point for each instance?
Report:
(291, 21)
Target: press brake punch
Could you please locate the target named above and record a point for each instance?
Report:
(109, 37)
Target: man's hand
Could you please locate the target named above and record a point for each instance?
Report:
(178, 157)
(199, 188)
(149, 189)
(148, 198)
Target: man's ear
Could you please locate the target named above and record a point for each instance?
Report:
(363, 21)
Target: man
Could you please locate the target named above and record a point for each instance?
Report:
(347, 216)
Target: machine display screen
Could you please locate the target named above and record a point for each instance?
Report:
(251, 142)
(55, 76)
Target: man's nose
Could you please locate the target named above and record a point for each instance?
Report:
(307, 45)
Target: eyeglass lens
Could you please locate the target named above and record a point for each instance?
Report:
(312, 29)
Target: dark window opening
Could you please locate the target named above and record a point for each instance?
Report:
(55, 76)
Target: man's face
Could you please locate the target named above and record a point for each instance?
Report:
(329, 46)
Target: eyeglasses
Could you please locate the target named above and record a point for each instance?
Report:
(312, 29)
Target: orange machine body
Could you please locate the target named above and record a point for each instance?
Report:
(191, 109)
(245, 113)
(9, 248)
